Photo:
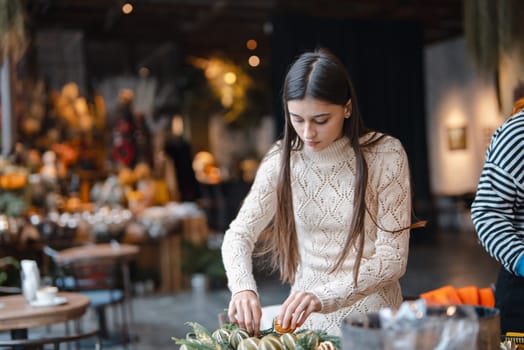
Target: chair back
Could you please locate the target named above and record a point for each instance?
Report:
(91, 274)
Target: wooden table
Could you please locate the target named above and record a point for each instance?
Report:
(101, 250)
(16, 315)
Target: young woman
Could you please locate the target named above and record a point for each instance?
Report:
(336, 200)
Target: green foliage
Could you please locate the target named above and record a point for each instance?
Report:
(202, 339)
(202, 259)
(199, 339)
(9, 271)
(12, 203)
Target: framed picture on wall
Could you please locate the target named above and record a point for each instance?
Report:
(457, 138)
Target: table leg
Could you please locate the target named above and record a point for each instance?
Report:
(127, 310)
(102, 324)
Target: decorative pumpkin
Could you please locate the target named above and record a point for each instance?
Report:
(221, 335)
(307, 339)
(326, 345)
(288, 341)
(237, 335)
(250, 343)
(279, 329)
(270, 342)
(13, 181)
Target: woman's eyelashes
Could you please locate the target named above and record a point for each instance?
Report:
(316, 121)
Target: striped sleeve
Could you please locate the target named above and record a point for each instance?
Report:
(498, 209)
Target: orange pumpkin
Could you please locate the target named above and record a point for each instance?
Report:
(279, 329)
(13, 181)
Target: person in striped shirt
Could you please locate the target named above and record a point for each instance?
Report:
(498, 215)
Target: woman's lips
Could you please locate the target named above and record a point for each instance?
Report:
(311, 143)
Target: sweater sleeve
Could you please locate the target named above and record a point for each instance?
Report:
(256, 212)
(493, 213)
(388, 262)
(498, 209)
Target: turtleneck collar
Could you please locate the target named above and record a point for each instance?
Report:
(336, 150)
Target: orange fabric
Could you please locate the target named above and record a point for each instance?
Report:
(487, 298)
(469, 295)
(442, 296)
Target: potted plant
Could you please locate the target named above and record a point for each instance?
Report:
(202, 265)
(9, 275)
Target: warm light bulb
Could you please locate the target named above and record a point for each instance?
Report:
(177, 125)
(253, 61)
(251, 44)
(230, 78)
(127, 8)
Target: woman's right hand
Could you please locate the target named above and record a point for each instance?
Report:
(245, 310)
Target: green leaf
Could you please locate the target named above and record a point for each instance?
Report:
(201, 332)
(194, 344)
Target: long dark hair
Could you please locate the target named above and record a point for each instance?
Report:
(319, 75)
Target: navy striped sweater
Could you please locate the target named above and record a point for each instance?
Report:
(498, 208)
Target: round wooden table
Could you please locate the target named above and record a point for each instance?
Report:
(94, 251)
(16, 315)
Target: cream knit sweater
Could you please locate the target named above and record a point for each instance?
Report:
(322, 185)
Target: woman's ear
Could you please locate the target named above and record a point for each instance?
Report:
(348, 108)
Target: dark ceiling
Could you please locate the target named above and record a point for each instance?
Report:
(201, 26)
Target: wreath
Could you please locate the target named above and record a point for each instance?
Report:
(124, 152)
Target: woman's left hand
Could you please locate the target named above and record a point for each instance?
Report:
(296, 309)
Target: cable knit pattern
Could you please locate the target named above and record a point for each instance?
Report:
(322, 185)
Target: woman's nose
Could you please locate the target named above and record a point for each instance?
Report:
(309, 131)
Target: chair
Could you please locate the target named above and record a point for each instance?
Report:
(100, 279)
(5, 290)
(39, 343)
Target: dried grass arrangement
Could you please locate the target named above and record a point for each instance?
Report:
(491, 28)
(13, 40)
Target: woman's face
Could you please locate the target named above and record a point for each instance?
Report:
(316, 122)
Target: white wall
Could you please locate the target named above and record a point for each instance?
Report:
(456, 96)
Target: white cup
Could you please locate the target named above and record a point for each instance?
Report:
(46, 294)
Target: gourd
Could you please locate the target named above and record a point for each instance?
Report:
(326, 345)
(250, 343)
(237, 335)
(279, 329)
(221, 335)
(270, 342)
(288, 341)
(306, 340)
